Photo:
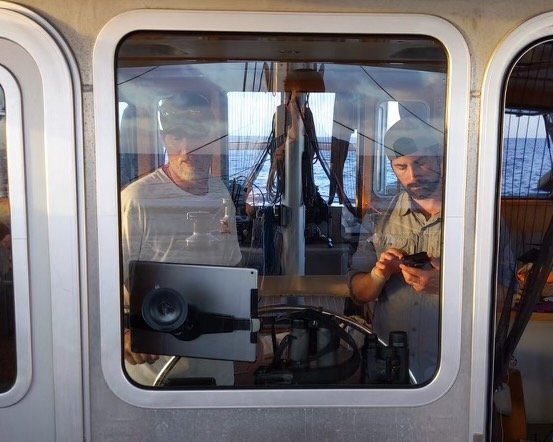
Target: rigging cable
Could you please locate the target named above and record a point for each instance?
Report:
(309, 126)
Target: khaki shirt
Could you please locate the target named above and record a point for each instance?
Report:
(399, 307)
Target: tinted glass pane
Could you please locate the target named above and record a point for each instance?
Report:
(301, 158)
(525, 231)
(7, 323)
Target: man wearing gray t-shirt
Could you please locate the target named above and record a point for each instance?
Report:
(176, 214)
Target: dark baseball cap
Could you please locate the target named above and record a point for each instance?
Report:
(186, 114)
(410, 135)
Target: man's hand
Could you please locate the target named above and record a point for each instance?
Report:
(136, 358)
(423, 281)
(388, 263)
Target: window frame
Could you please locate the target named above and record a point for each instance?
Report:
(457, 103)
(18, 221)
(487, 197)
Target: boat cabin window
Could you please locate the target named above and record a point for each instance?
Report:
(261, 177)
(8, 360)
(525, 230)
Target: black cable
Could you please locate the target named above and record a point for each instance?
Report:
(245, 76)
(138, 76)
(309, 126)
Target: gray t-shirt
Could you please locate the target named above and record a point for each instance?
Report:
(157, 219)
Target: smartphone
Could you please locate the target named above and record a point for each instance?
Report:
(417, 260)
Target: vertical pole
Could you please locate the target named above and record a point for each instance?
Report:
(293, 259)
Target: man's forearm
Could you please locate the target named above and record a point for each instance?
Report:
(366, 287)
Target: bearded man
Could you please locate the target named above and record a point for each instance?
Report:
(405, 298)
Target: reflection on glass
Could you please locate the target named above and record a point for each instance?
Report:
(285, 160)
(7, 322)
(397, 263)
(525, 240)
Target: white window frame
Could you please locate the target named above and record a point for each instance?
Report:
(107, 200)
(63, 144)
(18, 224)
(491, 112)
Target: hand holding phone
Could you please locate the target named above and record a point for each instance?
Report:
(417, 260)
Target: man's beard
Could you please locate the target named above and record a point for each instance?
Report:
(193, 168)
(423, 189)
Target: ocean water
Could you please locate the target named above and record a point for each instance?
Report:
(241, 161)
(525, 161)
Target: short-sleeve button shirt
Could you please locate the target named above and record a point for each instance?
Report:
(399, 307)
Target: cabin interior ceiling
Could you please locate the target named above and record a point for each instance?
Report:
(146, 49)
(180, 57)
(531, 82)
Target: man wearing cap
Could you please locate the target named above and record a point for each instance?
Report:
(406, 298)
(173, 214)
